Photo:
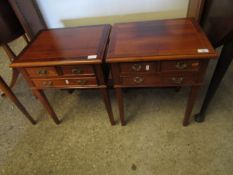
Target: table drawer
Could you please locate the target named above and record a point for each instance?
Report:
(143, 67)
(140, 80)
(42, 71)
(178, 80)
(69, 82)
(167, 66)
(77, 70)
(160, 80)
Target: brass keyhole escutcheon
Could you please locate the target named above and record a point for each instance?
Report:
(82, 82)
(181, 65)
(137, 67)
(42, 72)
(76, 71)
(138, 80)
(178, 80)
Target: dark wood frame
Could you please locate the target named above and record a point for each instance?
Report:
(195, 9)
(29, 16)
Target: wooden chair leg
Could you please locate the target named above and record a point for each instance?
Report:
(11, 56)
(15, 75)
(26, 38)
(10, 94)
(9, 52)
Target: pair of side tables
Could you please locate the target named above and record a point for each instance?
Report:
(163, 53)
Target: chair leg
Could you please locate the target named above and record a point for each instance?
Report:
(9, 52)
(26, 38)
(14, 99)
(11, 56)
(15, 75)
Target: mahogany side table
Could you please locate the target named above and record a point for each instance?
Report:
(69, 58)
(163, 53)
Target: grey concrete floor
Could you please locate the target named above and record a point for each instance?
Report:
(153, 142)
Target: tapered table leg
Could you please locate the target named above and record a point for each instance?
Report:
(220, 70)
(41, 96)
(190, 104)
(107, 103)
(7, 91)
(120, 105)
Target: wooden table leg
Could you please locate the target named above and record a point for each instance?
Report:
(220, 70)
(7, 91)
(107, 103)
(120, 102)
(41, 96)
(190, 104)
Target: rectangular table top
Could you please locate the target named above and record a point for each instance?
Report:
(158, 40)
(75, 45)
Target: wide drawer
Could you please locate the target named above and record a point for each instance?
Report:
(160, 80)
(65, 82)
(42, 71)
(140, 80)
(77, 70)
(193, 65)
(178, 80)
(140, 67)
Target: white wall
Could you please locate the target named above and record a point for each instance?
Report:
(56, 10)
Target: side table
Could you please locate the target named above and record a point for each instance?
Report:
(69, 58)
(164, 53)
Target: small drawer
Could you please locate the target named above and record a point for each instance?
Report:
(144, 67)
(65, 83)
(42, 71)
(167, 66)
(178, 80)
(140, 80)
(77, 70)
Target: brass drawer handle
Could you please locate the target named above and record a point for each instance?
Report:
(76, 71)
(82, 82)
(42, 72)
(180, 65)
(138, 80)
(47, 83)
(137, 67)
(178, 80)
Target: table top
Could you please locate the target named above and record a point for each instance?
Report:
(75, 45)
(158, 40)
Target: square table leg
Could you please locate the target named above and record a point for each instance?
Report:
(190, 104)
(120, 102)
(106, 99)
